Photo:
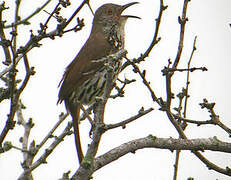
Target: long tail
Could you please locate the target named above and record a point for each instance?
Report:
(75, 113)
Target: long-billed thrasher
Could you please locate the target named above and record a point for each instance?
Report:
(85, 77)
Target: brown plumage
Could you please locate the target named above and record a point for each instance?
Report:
(84, 79)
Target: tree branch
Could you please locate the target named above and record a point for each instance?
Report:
(155, 39)
(212, 144)
(67, 131)
(123, 124)
(146, 83)
(87, 165)
(4, 42)
(25, 21)
(62, 117)
(27, 152)
(182, 21)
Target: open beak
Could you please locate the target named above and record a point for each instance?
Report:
(125, 7)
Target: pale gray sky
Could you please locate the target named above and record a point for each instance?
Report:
(208, 19)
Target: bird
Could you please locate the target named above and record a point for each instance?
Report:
(84, 78)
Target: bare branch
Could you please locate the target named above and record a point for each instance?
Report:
(146, 83)
(67, 131)
(120, 91)
(35, 39)
(123, 124)
(182, 21)
(155, 39)
(212, 166)
(187, 81)
(15, 95)
(4, 42)
(212, 144)
(27, 152)
(168, 70)
(25, 21)
(85, 170)
(62, 117)
(214, 117)
(206, 122)
(87, 114)
(182, 95)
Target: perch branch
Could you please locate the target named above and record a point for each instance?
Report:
(84, 172)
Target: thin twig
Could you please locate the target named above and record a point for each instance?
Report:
(120, 91)
(29, 73)
(206, 122)
(4, 41)
(76, 12)
(87, 114)
(84, 116)
(26, 20)
(34, 40)
(155, 39)
(185, 94)
(67, 131)
(27, 152)
(214, 117)
(146, 83)
(129, 120)
(176, 165)
(168, 70)
(182, 21)
(15, 98)
(44, 27)
(209, 164)
(10, 123)
(62, 117)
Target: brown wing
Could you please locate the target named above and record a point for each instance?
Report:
(95, 48)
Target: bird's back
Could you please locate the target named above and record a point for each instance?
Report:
(81, 68)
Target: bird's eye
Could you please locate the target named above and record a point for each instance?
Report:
(109, 12)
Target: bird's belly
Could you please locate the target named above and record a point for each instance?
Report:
(90, 89)
(94, 86)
